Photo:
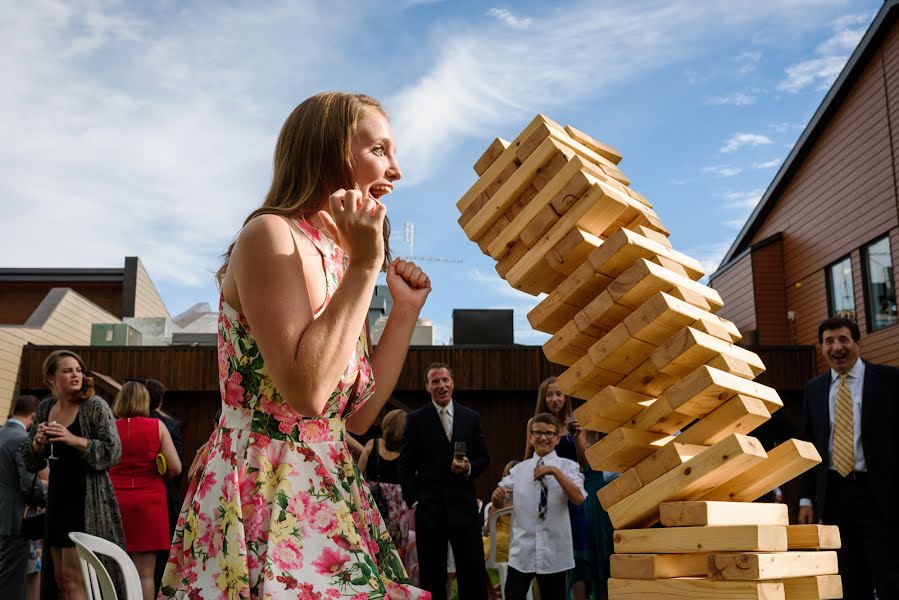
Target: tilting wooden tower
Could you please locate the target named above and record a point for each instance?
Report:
(659, 371)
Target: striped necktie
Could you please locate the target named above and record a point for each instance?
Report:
(843, 454)
(541, 508)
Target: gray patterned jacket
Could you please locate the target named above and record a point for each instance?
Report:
(104, 449)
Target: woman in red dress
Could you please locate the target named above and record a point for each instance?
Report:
(138, 484)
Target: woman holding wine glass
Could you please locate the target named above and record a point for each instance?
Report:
(75, 432)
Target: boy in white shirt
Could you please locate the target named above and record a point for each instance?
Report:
(541, 530)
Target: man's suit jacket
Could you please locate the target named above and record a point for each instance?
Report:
(425, 459)
(173, 485)
(879, 435)
(16, 483)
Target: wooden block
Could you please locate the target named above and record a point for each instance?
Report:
(661, 317)
(692, 297)
(617, 351)
(714, 327)
(493, 151)
(542, 131)
(552, 313)
(569, 180)
(610, 408)
(601, 314)
(545, 218)
(626, 246)
(689, 348)
(651, 233)
(705, 389)
(786, 461)
(644, 278)
(660, 418)
(583, 379)
(474, 207)
(820, 587)
(658, 566)
(702, 514)
(732, 365)
(508, 156)
(668, 457)
(726, 538)
(568, 345)
(694, 589)
(623, 448)
(511, 259)
(783, 565)
(813, 537)
(572, 251)
(600, 148)
(492, 232)
(619, 488)
(695, 478)
(583, 286)
(740, 414)
(512, 188)
(541, 279)
(646, 379)
(586, 153)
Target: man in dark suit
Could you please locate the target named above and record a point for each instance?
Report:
(18, 487)
(851, 415)
(441, 488)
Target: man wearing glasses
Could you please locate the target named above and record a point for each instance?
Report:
(541, 529)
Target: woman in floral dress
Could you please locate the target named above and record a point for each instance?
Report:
(279, 509)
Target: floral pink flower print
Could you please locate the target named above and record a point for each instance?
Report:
(330, 561)
(206, 483)
(233, 392)
(286, 555)
(322, 518)
(299, 504)
(397, 592)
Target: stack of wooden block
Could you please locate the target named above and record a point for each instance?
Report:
(659, 371)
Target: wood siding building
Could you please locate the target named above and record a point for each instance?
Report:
(824, 238)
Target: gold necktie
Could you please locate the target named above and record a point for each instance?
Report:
(445, 420)
(843, 455)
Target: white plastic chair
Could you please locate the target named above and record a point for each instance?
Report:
(490, 563)
(97, 581)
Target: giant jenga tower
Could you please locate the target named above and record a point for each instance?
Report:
(659, 372)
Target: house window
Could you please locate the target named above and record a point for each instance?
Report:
(840, 296)
(880, 292)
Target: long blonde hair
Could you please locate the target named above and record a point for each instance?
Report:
(313, 158)
(133, 400)
(51, 364)
(567, 408)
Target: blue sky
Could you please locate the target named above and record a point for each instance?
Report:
(147, 129)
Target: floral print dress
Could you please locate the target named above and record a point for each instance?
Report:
(280, 509)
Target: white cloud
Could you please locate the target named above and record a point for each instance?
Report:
(709, 256)
(738, 140)
(748, 61)
(509, 19)
(785, 126)
(735, 99)
(768, 164)
(746, 199)
(722, 170)
(832, 53)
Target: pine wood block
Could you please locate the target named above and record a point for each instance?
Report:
(583, 379)
(740, 414)
(732, 365)
(694, 589)
(619, 488)
(610, 408)
(516, 184)
(509, 155)
(493, 151)
(541, 132)
(670, 265)
(572, 251)
(511, 259)
(552, 313)
(658, 566)
(786, 461)
(691, 481)
(668, 457)
(715, 327)
(541, 279)
(651, 233)
(600, 148)
(562, 136)
(726, 538)
(820, 587)
(690, 348)
(492, 233)
(705, 389)
(646, 379)
(624, 246)
(475, 206)
(783, 565)
(813, 537)
(568, 345)
(617, 351)
(660, 418)
(478, 203)
(601, 314)
(583, 286)
(570, 180)
(703, 514)
(660, 317)
(644, 278)
(692, 297)
(623, 448)
(545, 218)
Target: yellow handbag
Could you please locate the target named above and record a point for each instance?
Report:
(161, 465)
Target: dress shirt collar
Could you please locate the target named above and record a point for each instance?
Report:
(856, 372)
(18, 422)
(552, 456)
(449, 407)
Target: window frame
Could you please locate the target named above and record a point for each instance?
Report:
(863, 255)
(828, 279)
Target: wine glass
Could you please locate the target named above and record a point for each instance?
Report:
(52, 456)
(459, 450)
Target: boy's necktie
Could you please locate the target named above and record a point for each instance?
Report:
(541, 507)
